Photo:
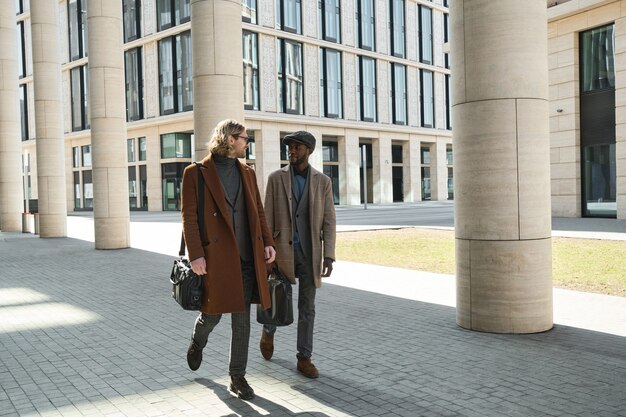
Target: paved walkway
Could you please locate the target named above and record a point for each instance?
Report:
(77, 338)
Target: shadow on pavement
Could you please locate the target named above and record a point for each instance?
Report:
(377, 354)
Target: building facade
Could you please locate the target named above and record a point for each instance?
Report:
(357, 74)
(587, 63)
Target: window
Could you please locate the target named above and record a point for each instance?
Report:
(75, 157)
(24, 111)
(597, 56)
(142, 149)
(250, 71)
(130, 149)
(449, 160)
(175, 77)
(330, 157)
(19, 7)
(290, 77)
(330, 86)
(134, 84)
(77, 23)
(172, 178)
(425, 172)
(365, 25)
(366, 85)
(251, 150)
(599, 180)
(427, 99)
(396, 27)
(426, 34)
(397, 173)
(176, 145)
(88, 189)
(86, 152)
(172, 13)
(80, 98)
(398, 94)
(446, 38)
(132, 19)
(447, 92)
(289, 15)
(329, 20)
(21, 58)
(132, 187)
(248, 11)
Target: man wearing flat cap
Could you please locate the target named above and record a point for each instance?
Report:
(300, 214)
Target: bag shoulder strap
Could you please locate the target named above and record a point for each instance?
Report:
(203, 238)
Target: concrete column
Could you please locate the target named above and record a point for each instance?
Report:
(412, 171)
(381, 166)
(11, 190)
(108, 125)
(349, 163)
(439, 171)
(267, 153)
(217, 74)
(51, 188)
(502, 178)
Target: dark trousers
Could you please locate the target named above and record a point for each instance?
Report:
(306, 304)
(240, 324)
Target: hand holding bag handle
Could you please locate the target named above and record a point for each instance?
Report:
(187, 287)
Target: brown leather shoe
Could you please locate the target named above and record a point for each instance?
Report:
(306, 368)
(267, 345)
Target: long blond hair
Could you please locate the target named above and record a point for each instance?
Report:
(218, 144)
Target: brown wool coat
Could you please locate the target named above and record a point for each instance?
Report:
(223, 286)
(278, 200)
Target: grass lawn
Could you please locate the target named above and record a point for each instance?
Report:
(589, 265)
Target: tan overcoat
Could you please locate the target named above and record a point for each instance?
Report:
(223, 284)
(278, 201)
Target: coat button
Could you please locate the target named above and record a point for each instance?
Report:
(290, 242)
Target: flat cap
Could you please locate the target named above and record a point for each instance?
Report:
(301, 136)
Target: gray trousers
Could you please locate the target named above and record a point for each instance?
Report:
(306, 304)
(240, 324)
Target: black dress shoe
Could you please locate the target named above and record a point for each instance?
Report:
(194, 356)
(239, 386)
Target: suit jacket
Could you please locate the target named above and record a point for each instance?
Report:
(223, 284)
(278, 209)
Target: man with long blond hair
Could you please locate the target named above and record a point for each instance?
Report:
(238, 247)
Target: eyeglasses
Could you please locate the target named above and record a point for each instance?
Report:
(246, 138)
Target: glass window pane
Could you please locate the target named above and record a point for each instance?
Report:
(164, 14)
(426, 35)
(77, 113)
(86, 151)
(142, 149)
(74, 36)
(134, 91)
(293, 73)
(330, 151)
(427, 99)
(599, 180)
(185, 79)
(130, 149)
(396, 154)
(166, 76)
(598, 56)
(24, 112)
(77, 193)
(248, 11)
(87, 189)
(250, 71)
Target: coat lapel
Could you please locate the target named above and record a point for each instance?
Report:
(214, 186)
(286, 180)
